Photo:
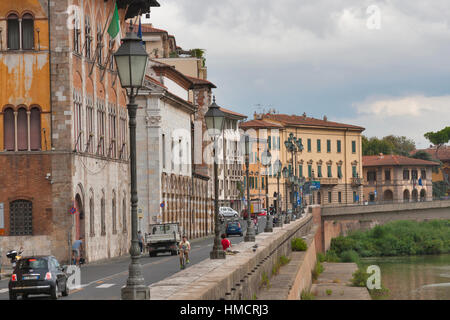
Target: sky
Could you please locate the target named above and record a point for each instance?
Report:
(380, 64)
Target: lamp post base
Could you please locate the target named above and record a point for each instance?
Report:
(249, 238)
(269, 224)
(138, 292)
(217, 254)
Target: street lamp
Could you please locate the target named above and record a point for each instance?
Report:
(286, 176)
(215, 119)
(131, 60)
(266, 158)
(277, 170)
(250, 234)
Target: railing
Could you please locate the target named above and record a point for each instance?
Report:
(387, 202)
(357, 182)
(328, 181)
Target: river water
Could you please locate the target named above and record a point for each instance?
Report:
(415, 278)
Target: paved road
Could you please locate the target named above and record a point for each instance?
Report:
(104, 281)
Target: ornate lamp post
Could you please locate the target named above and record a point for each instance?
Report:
(285, 176)
(293, 145)
(266, 158)
(277, 167)
(250, 234)
(131, 60)
(215, 119)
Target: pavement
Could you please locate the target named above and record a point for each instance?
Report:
(104, 280)
(334, 283)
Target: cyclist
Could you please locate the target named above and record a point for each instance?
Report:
(184, 247)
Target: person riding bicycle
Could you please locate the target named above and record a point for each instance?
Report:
(77, 248)
(184, 247)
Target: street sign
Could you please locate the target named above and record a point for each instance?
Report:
(162, 205)
(315, 185)
(73, 210)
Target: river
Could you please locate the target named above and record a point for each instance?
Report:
(416, 277)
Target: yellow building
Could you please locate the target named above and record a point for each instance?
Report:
(332, 155)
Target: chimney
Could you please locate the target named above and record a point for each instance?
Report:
(325, 118)
(304, 115)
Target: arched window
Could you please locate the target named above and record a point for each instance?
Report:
(22, 130)
(9, 129)
(88, 37)
(13, 32)
(35, 129)
(91, 216)
(124, 215)
(21, 218)
(77, 33)
(99, 43)
(102, 216)
(27, 32)
(113, 212)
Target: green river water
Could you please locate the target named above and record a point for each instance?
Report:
(415, 278)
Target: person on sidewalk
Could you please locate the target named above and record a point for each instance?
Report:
(141, 241)
(77, 247)
(226, 243)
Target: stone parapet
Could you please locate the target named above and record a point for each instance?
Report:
(238, 277)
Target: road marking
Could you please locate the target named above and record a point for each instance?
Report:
(3, 290)
(106, 285)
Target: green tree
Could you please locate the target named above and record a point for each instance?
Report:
(402, 145)
(438, 138)
(388, 145)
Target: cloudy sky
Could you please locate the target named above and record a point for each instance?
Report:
(381, 64)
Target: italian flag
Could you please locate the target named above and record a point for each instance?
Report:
(114, 26)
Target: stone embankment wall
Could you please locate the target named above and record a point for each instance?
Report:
(238, 277)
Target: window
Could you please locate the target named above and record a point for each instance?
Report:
(78, 105)
(256, 182)
(290, 170)
(112, 152)
(88, 37)
(262, 182)
(22, 130)
(423, 174)
(339, 146)
(113, 212)
(339, 171)
(21, 218)
(90, 125)
(27, 32)
(9, 129)
(163, 142)
(269, 143)
(355, 197)
(354, 172)
(35, 129)
(329, 197)
(319, 147)
(406, 174)
(300, 170)
(340, 197)
(309, 145)
(319, 171)
(76, 33)
(124, 215)
(328, 146)
(353, 146)
(91, 217)
(371, 176)
(102, 216)
(101, 130)
(387, 175)
(414, 174)
(309, 170)
(99, 44)
(13, 32)
(329, 171)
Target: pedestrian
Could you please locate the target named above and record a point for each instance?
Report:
(226, 243)
(77, 247)
(141, 241)
(184, 247)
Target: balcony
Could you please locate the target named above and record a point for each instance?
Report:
(328, 181)
(356, 182)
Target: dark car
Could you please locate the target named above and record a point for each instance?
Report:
(233, 228)
(38, 275)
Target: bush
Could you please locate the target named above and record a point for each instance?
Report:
(318, 269)
(320, 257)
(305, 295)
(298, 244)
(360, 278)
(331, 256)
(350, 256)
(284, 260)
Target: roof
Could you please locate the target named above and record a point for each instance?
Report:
(233, 114)
(259, 124)
(394, 160)
(202, 82)
(443, 153)
(295, 120)
(150, 29)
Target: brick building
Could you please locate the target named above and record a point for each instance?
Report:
(63, 128)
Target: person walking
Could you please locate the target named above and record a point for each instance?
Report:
(141, 241)
(77, 247)
(184, 247)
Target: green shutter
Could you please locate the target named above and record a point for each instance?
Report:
(339, 171)
(329, 172)
(319, 147)
(309, 170)
(339, 146)
(278, 143)
(328, 145)
(309, 145)
(354, 146)
(300, 171)
(269, 140)
(354, 171)
(319, 171)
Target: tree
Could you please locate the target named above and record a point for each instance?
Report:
(438, 138)
(402, 145)
(421, 154)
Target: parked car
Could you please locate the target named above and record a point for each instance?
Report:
(228, 212)
(38, 275)
(234, 228)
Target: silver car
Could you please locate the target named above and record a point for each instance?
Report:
(228, 212)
